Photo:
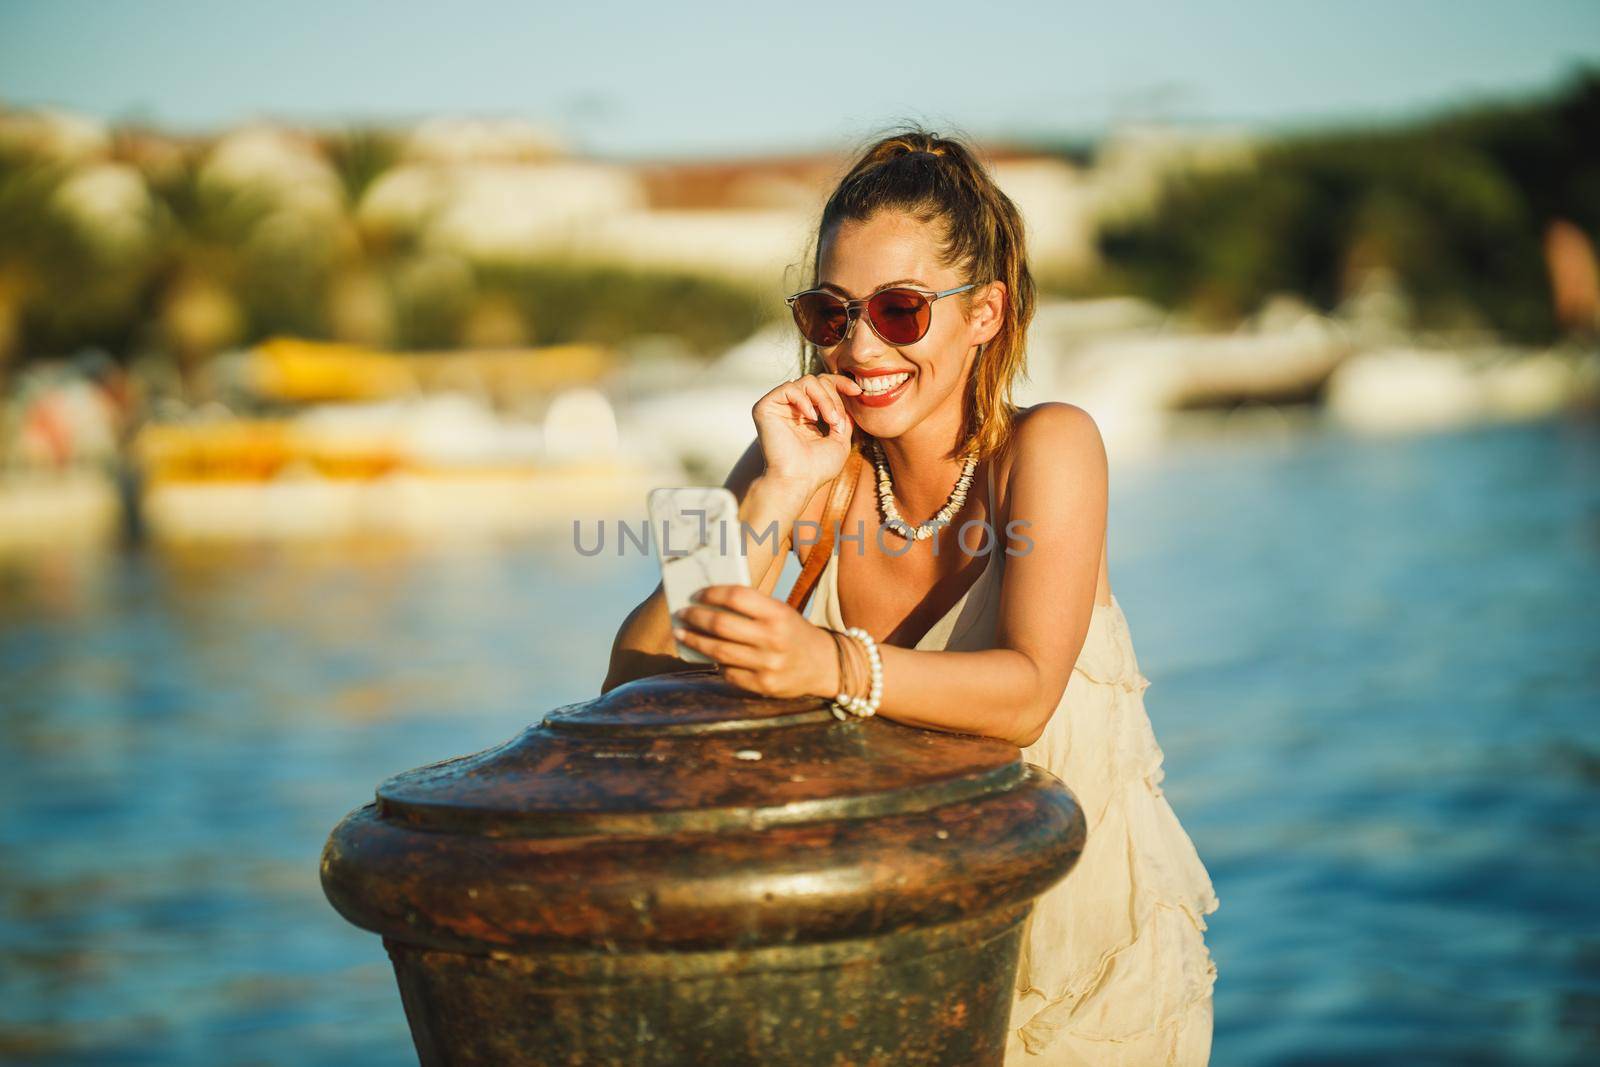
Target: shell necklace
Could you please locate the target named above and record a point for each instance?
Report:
(891, 514)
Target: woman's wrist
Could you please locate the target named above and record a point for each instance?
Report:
(831, 684)
(855, 683)
(767, 517)
(772, 501)
(831, 666)
(782, 490)
(863, 703)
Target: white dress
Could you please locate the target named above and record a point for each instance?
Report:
(1114, 969)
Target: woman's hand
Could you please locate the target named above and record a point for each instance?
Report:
(786, 425)
(762, 644)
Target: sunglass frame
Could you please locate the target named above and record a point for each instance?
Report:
(853, 310)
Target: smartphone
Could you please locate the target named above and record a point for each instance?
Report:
(698, 540)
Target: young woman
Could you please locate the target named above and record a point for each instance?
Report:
(998, 621)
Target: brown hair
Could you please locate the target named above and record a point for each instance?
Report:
(941, 179)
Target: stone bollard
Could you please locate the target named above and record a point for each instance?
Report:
(678, 872)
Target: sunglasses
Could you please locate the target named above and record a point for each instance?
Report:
(898, 314)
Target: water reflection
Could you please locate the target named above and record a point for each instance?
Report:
(1373, 670)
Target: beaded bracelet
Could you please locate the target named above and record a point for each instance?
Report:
(868, 706)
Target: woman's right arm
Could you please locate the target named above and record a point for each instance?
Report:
(776, 481)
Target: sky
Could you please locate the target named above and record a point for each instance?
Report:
(688, 80)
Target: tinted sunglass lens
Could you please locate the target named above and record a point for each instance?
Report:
(822, 319)
(900, 315)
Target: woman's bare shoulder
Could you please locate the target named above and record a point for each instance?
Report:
(1054, 438)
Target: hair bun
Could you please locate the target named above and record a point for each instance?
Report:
(903, 149)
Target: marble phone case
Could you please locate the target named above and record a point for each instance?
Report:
(702, 545)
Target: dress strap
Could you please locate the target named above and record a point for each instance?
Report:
(997, 544)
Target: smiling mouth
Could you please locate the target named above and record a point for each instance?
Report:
(881, 390)
(881, 384)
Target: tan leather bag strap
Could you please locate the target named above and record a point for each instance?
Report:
(844, 487)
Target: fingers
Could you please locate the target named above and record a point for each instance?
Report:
(730, 623)
(816, 397)
(726, 635)
(723, 625)
(826, 398)
(744, 599)
(794, 393)
(726, 653)
(830, 384)
(845, 382)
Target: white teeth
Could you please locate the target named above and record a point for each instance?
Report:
(882, 383)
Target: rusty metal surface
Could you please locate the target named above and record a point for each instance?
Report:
(915, 998)
(679, 872)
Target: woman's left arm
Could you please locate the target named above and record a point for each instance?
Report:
(1058, 503)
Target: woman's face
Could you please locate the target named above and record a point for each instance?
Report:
(858, 258)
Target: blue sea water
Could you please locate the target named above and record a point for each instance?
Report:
(1375, 674)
